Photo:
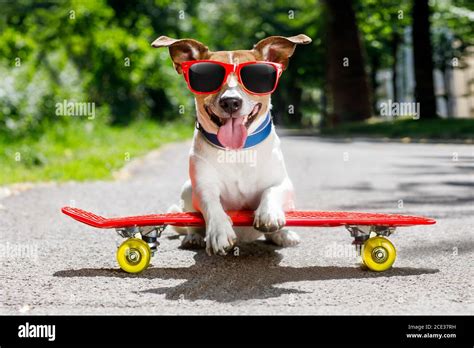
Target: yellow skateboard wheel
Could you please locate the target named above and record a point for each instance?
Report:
(378, 254)
(134, 255)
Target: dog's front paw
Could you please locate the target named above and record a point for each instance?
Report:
(269, 219)
(284, 238)
(220, 236)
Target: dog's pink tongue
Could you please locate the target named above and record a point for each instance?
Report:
(232, 134)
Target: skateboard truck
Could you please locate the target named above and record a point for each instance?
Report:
(149, 234)
(362, 233)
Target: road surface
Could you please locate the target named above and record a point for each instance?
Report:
(51, 264)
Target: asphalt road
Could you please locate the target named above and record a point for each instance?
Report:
(51, 264)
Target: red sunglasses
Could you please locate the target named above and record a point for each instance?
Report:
(208, 76)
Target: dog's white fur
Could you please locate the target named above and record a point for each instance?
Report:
(215, 187)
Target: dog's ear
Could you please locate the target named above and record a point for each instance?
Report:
(279, 49)
(182, 50)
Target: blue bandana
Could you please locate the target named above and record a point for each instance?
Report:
(260, 134)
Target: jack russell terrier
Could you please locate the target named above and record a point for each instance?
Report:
(232, 95)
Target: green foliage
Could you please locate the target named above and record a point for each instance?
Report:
(82, 150)
(455, 16)
(99, 52)
(79, 51)
(453, 31)
(380, 25)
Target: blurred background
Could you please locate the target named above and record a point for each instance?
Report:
(365, 56)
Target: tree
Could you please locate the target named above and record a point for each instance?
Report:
(423, 53)
(382, 28)
(348, 87)
(453, 34)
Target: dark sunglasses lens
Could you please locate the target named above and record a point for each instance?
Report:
(206, 77)
(259, 78)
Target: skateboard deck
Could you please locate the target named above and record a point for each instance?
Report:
(246, 217)
(369, 230)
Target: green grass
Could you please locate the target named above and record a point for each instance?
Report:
(447, 129)
(82, 150)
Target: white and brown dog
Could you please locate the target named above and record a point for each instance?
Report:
(233, 114)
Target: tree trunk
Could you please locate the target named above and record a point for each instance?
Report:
(347, 79)
(423, 60)
(375, 66)
(395, 44)
(447, 91)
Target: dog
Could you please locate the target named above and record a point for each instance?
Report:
(232, 97)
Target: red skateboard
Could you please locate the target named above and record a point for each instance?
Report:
(369, 230)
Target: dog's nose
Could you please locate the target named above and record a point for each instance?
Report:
(230, 105)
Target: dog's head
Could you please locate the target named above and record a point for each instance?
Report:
(232, 112)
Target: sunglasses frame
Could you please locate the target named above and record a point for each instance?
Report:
(229, 69)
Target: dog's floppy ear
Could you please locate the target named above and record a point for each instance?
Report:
(279, 49)
(182, 50)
